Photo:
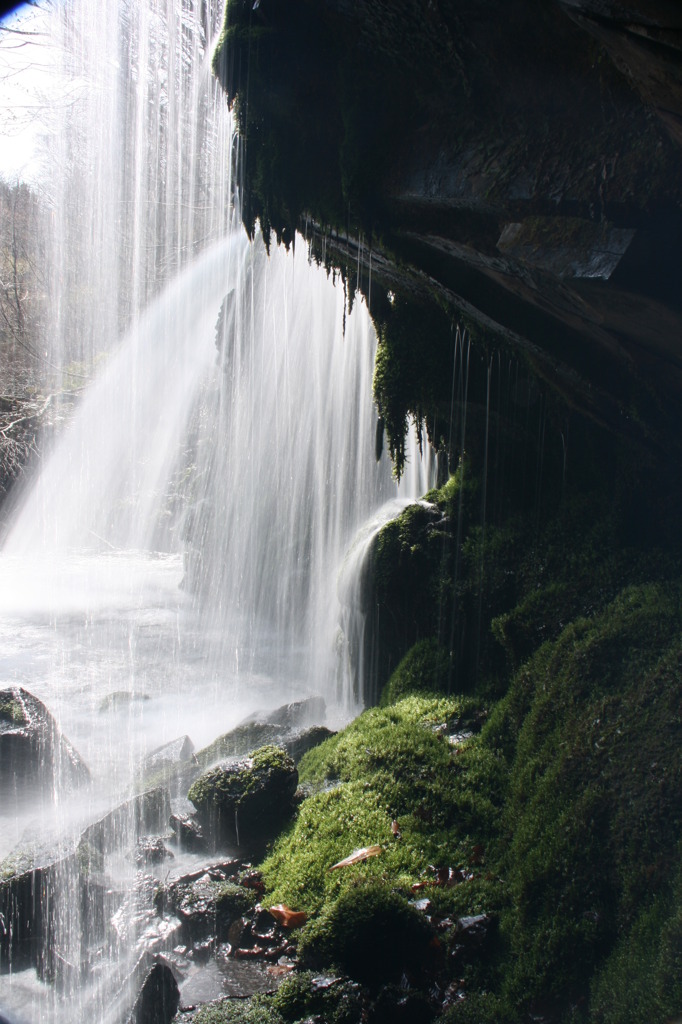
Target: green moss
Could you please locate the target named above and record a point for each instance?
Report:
(12, 711)
(216, 785)
(238, 1011)
(563, 816)
(299, 997)
(413, 369)
(641, 980)
(232, 901)
(403, 753)
(397, 782)
(370, 932)
(593, 737)
(329, 827)
(440, 575)
(479, 1008)
(426, 667)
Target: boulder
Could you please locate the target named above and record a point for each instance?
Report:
(159, 997)
(188, 832)
(296, 715)
(169, 765)
(121, 699)
(290, 726)
(151, 850)
(36, 882)
(208, 906)
(239, 741)
(299, 744)
(33, 752)
(244, 801)
(177, 751)
(284, 726)
(38, 878)
(147, 813)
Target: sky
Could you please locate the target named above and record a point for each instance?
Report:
(27, 80)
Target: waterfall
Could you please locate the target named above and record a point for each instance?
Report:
(174, 563)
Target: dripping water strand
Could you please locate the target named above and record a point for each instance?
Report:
(484, 497)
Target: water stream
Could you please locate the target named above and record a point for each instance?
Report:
(175, 562)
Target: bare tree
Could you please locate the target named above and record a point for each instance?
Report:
(22, 322)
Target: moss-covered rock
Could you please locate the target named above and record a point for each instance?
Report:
(593, 822)
(235, 1011)
(426, 667)
(370, 932)
(33, 752)
(402, 782)
(303, 995)
(207, 906)
(562, 817)
(245, 801)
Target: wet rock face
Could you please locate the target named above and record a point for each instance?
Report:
(41, 873)
(645, 39)
(33, 752)
(290, 717)
(188, 832)
(159, 997)
(529, 176)
(209, 901)
(244, 801)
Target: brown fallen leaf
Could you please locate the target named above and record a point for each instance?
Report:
(279, 970)
(249, 954)
(447, 877)
(288, 918)
(357, 857)
(395, 829)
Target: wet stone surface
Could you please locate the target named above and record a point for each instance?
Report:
(33, 752)
(188, 832)
(245, 801)
(151, 850)
(159, 997)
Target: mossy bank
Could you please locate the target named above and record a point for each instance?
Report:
(519, 842)
(515, 790)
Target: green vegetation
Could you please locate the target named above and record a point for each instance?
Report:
(369, 932)
(413, 369)
(299, 997)
(524, 760)
(392, 764)
(425, 668)
(593, 821)
(217, 786)
(232, 901)
(236, 1011)
(11, 710)
(560, 819)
